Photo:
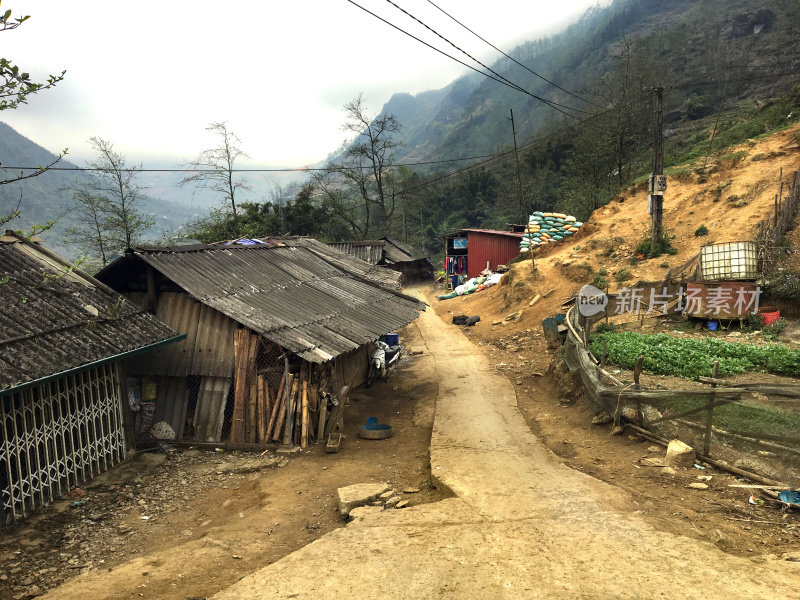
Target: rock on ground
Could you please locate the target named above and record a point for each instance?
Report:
(363, 511)
(679, 454)
(359, 494)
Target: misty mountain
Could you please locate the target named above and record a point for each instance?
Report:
(683, 40)
(43, 198)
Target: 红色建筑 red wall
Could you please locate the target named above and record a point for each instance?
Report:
(496, 247)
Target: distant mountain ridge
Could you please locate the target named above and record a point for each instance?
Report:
(43, 198)
(684, 38)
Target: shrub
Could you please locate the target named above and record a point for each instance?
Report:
(604, 328)
(700, 231)
(663, 246)
(623, 275)
(785, 285)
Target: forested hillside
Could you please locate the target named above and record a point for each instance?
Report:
(583, 106)
(729, 72)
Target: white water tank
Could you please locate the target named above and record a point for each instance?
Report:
(728, 261)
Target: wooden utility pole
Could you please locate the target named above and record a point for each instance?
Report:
(656, 189)
(522, 208)
(519, 175)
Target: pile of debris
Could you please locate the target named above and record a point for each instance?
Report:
(486, 279)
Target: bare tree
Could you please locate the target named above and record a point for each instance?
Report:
(215, 168)
(108, 202)
(362, 186)
(90, 234)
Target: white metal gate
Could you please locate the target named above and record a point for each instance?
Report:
(55, 436)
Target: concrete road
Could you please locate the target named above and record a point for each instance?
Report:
(522, 525)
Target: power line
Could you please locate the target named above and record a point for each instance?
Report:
(511, 83)
(286, 170)
(554, 105)
(512, 58)
(528, 145)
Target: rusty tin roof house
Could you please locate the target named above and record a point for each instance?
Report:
(63, 339)
(273, 328)
(391, 253)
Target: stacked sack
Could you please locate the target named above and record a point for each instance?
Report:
(548, 228)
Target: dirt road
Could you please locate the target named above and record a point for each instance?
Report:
(523, 525)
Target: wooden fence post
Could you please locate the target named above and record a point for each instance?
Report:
(603, 358)
(710, 415)
(637, 372)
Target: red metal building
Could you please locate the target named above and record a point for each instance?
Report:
(484, 247)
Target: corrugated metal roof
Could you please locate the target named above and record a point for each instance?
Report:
(386, 250)
(368, 251)
(398, 251)
(304, 295)
(518, 236)
(47, 323)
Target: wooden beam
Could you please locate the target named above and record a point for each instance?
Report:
(240, 390)
(275, 408)
(304, 417)
(692, 411)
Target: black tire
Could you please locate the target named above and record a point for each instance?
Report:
(372, 375)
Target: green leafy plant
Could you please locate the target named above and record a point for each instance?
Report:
(663, 246)
(785, 285)
(691, 357)
(604, 328)
(700, 231)
(600, 280)
(623, 274)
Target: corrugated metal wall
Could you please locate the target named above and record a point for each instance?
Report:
(207, 349)
(482, 247)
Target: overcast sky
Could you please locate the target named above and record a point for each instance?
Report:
(150, 76)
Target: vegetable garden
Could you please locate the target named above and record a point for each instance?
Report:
(691, 358)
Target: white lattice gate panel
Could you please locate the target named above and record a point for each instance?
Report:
(57, 435)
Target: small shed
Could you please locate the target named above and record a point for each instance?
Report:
(273, 329)
(391, 253)
(470, 251)
(64, 337)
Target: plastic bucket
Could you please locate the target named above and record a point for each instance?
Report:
(392, 338)
(769, 315)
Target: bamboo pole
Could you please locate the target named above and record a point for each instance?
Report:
(289, 426)
(323, 413)
(304, 409)
(240, 337)
(710, 415)
(260, 409)
(263, 415)
(252, 414)
(273, 424)
(723, 466)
